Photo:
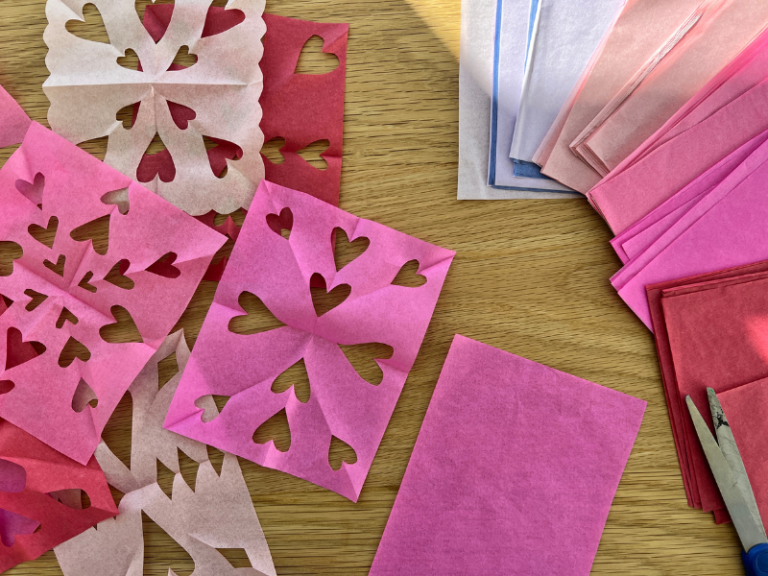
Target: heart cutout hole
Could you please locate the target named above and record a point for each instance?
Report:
(18, 351)
(157, 161)
(295, 377)
(85, 283)
(66, 316)
(183, 59)
(272, 150)
(37, 299)
(314, 61)
(9, 252)
(73, 349)
(363, 358)
(119, 198)
(96, 231)
(91, 27)
(219, 153)
(281, 224)
(312, 154)
(164, 267)
(409, 276)
(130, 60)
(323, 300)
(46, 236)
(223, 21)
(347, 251)
(123, 331)
(257, 317)
(58, 267)
(339, 453)
(212, 405)
(116, 276)
(276, 430)
(84, 397)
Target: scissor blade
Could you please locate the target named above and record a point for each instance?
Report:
(730, 451)
(750, 531)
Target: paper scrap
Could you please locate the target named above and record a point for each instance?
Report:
(216, 514)
(478, 19)
(37, 488)
(513, 473)
(300, 109)
(95, 313)
(219, 94)
(340, 403)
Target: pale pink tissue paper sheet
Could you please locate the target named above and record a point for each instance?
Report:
(88, 87)
(726, 228)
(724, 118)
(643, 27)
(725, 29)
(50, 183)
(643, 233)
(513, 473)
(215, 513)
(243, 367)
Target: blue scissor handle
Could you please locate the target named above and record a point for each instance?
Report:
(756, 560)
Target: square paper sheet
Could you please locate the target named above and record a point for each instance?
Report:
(513, 473)
(66, 291)
(243, 368)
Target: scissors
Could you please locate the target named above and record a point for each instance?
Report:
(731, 477)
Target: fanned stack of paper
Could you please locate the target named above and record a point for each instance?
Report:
(711, 332)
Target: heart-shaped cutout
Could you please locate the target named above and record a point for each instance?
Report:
(273, 150)
(363, 358)
(295, 377)
(119, 198)
(33, 191)
(13, 478)
(212, 405)
(58, 267)
(222, 20)
(219, 152)
(157, 161)
(66, 316)
(18, 351)
(281, 224)
(314, 60)
(91, 27)
(73, 349)
(323, 300)
(85, 283)
(340, 452)
(184, 59)
(36, 297)
(129, 60)
(313, 154)
(276, 430)
(12, 525)
(123, 331)
(96, 231)
(347, 251)
(257, 317)
(46, 236)
(9, 252)
(409, 276)
(181, 115)
(117, 277)
(164, 266)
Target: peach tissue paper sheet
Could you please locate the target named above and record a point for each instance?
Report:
(513, 473)
(287, 243)
(94, 313)
(215, 513)
(219, 95)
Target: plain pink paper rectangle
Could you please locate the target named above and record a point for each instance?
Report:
(513, 473)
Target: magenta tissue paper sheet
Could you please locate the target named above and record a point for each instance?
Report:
(513, 473)
(286, 241)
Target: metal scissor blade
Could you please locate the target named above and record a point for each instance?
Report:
(730, 451)
(750, 530)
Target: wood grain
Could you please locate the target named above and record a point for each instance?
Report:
(531, 277)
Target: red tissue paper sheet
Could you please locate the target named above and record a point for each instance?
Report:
(710, 332)
(41, 504)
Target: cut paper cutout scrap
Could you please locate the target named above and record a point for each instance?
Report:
(710, 332)
(31, 520)
(75, 183)
(485, 492)
(87, 87)
(216, 514)
(341, 402)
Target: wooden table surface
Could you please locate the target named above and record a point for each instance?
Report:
(531, 277)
